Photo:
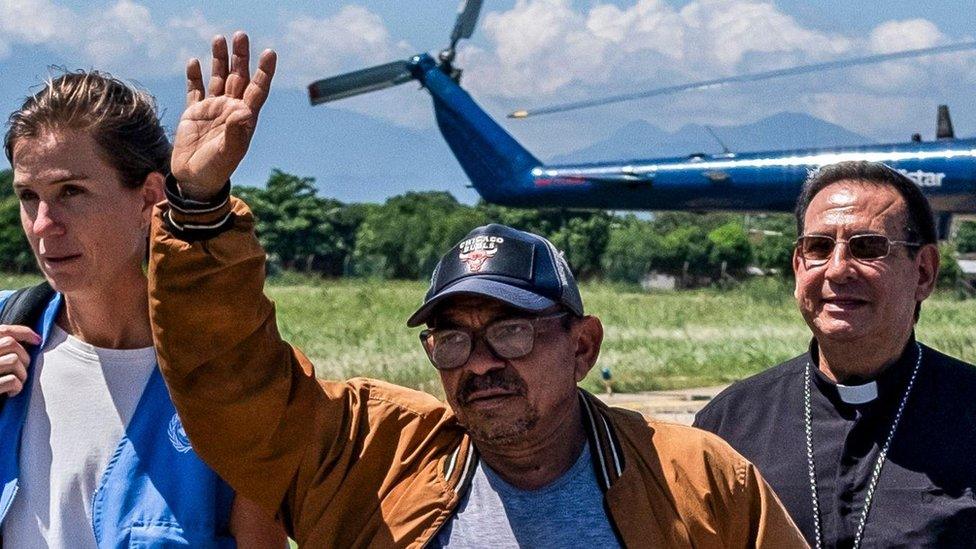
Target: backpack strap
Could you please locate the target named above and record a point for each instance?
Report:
(25, 306)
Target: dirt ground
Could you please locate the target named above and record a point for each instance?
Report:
(678, 406)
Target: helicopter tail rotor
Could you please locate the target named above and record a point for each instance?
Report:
(464, 26)
(361, 81)
(397, 72)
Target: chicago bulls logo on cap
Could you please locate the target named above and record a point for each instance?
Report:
(475, 252)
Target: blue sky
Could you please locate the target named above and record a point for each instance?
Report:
(531, 53)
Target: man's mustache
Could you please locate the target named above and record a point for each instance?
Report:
(506, 379)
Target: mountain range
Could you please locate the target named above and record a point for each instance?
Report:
(783, 131)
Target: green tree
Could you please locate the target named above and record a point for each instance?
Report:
(541, 221)
(631, 248)
(683, 245)
(15, 252)
(729, 244)
(666, 222)
(581, 235)
(405, 237)
(298, 228)
(966, 237)
(775, 252)
(6, 183)
(950, 274)
(772, 237)
(347, 222)
(772, 223)
(583, 241)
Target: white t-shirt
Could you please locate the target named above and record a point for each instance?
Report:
(82, 398)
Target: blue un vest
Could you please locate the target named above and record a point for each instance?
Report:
(155, 491)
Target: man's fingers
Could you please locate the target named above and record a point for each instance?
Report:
(218, 71)
(10, 386)
(194, 82)
(239, 75)
(257, 91)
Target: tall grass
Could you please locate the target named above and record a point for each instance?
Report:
(657, 340)
(653, 340)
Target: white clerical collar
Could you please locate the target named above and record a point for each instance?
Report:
(858, 394)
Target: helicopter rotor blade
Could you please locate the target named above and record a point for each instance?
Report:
(361, 81)
(749, 77)
(466, 22)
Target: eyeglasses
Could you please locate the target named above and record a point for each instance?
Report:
(817, 249)
(449, 348)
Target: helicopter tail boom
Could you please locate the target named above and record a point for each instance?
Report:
(498, 166)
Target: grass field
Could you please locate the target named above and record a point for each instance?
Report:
(658, 340)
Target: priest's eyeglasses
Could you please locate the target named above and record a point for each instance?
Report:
(817, 249)
(449, 348)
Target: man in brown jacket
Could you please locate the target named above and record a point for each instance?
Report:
(517, 456)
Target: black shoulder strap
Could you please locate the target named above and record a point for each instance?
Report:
(25, 306)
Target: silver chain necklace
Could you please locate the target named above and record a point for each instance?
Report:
(875, 474)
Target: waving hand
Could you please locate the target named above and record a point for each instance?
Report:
(216, 128)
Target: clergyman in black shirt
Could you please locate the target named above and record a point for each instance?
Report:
(869, 438)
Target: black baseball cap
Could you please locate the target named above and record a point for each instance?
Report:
(520, 269)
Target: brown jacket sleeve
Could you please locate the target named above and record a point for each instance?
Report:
(744, 509)
(767, 523)
(330, 458)
(246, 398)
(704, 493)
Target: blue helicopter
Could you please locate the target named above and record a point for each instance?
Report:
(503, 172)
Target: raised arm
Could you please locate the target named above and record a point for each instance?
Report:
(322, 455)
(248, 400)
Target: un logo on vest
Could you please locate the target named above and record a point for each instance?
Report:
(177, 435)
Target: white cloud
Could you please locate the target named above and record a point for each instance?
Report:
(870, 114)
(127, 39)
(648, 25)
(551, 51)
(542, 46)
(892, 36)
(539, 51)
(911, 75)
(29, 22)
(114, 34)
(32, 21)
(351, 39)
(123, 37)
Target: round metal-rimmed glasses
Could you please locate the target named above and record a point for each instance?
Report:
(450, 348)
(817, 249)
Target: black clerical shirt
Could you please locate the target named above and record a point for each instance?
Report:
(926, 494)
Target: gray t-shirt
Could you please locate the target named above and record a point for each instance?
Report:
(569, 512)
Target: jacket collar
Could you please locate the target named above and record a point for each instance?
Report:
(460, 465)
(608, 457)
